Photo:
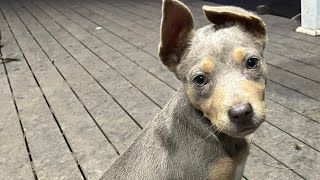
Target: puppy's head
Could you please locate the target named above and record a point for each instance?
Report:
(221, 65)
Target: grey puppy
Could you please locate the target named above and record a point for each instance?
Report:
(202, 133)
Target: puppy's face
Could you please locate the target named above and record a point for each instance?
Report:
(224, 75)
(221, 65)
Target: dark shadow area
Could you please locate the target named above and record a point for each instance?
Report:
(8, 60)
(282, 8)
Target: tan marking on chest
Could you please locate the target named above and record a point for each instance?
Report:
(223, 169)
(207, 65)
(227, 166)
(239, 54)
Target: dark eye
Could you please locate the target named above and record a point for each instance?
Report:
(252, 63)
(200, 80)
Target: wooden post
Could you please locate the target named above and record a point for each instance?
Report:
(310, 17)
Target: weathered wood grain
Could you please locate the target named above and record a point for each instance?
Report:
(14, 159)
(49, 151)
(260, 165)
(85, 139)
(132, 100)
(111, 118)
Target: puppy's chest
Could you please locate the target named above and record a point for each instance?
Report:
(230, 165)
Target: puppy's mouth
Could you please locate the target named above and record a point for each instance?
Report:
(241, 130)
(244, 131)
(236, 130)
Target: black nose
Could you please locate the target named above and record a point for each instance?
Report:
(241, 113)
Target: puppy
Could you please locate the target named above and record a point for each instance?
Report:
(202, 132)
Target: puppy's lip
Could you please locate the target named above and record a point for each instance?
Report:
(248, 129)
(244, 132)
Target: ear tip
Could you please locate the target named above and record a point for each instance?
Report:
(176, 3)
(166, 2)
(170, 1)
(206, 9)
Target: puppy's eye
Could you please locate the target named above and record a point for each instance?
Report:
(200, 80)
(252, 63)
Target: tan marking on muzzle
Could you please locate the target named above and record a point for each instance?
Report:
(213, 107)
(239, 54)
(210, 106)
(255, 94)
(207, 65)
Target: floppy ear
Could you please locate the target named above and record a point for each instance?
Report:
(176, 32)
(222, 14)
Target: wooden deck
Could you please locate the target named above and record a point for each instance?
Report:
(79, 79)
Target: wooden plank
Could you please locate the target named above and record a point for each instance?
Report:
(296, 44)
(305, 70)
(124, 46)
(144, 31)
(290, 32)
(153, 14)
(84, 137)
(14, 161)
(298, 83)
(50, 154)
(140, 57)
(279, 21)
(295, 54)
(119, 11)
(120, 16)
(128, 96)
(260, 165)
(129, 69)
(124, 33)
(151, 6)
(289, 98)
(133, 8)
(129, 15)
(117, 125)
(304, 129)
(304, 160)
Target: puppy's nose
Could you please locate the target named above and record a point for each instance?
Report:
(241, 113)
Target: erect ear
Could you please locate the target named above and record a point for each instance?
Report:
(224, 14)
(176, 32)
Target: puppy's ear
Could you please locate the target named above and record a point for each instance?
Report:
(176, 32)
(224, 14)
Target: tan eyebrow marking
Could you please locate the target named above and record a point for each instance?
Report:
(239, 54)
(207, 65)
